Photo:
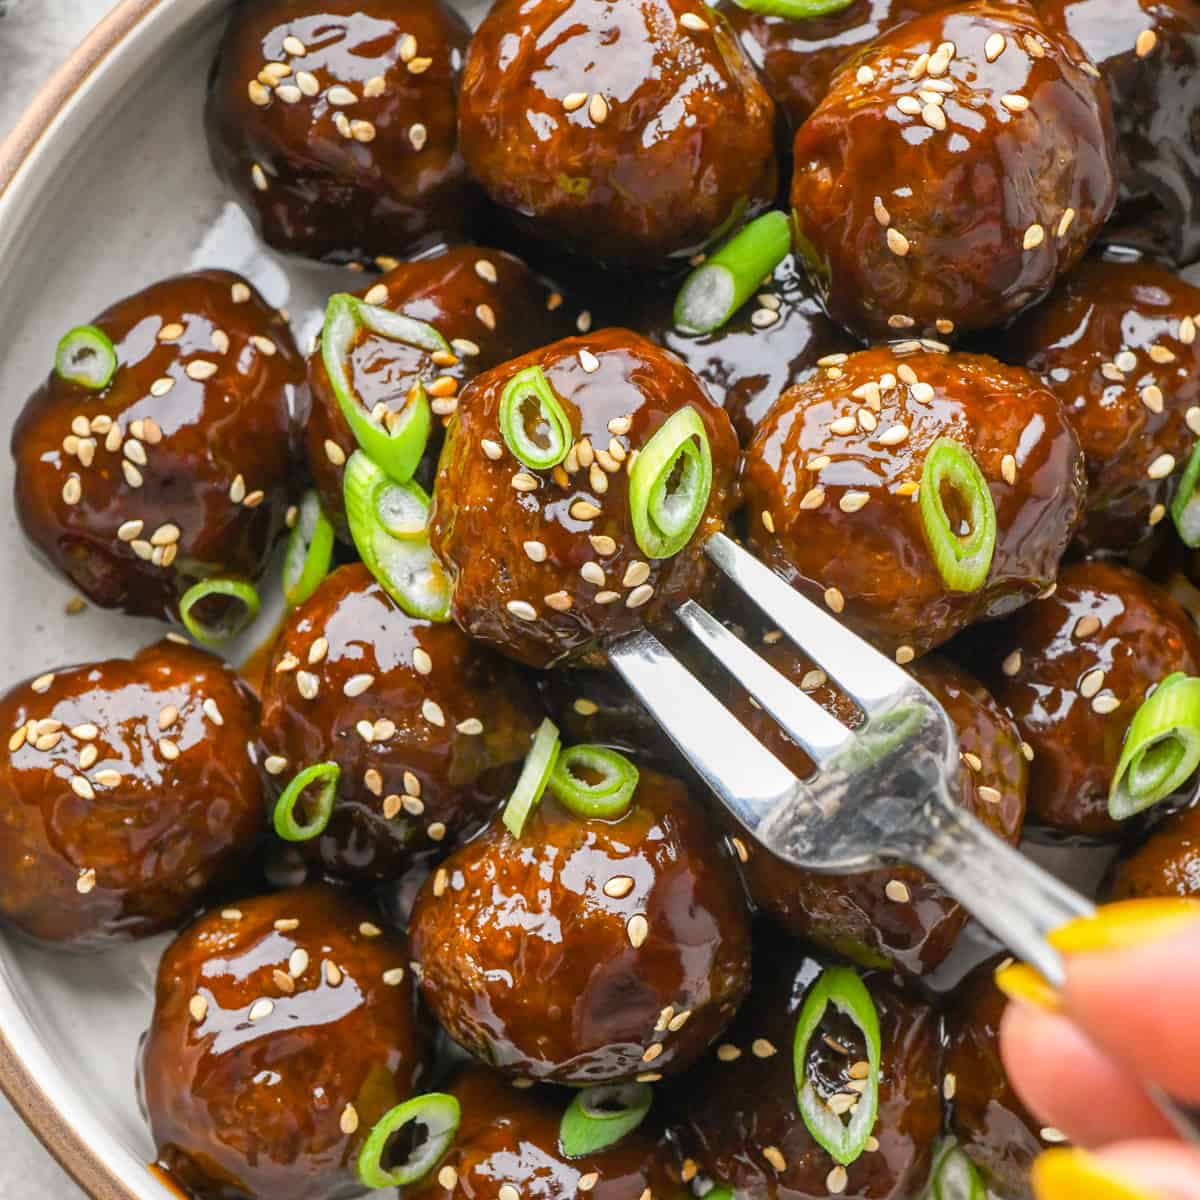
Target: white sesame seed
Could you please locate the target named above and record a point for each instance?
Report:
(588, 361)
(639, 596)
(432, 712)
(574, 100)
(835, 1181)
(1015, 102)
(637, 929)
(1161, 467)
(865, 76)
(307, 684)
(893, 435)
(897, 891)
(1106, 703)
(1146, 41)
(1035, 235)
(1091, 683)
(1008, 469)
(593, 573)
(334, 453)
(85, 882)
(761, 318)
(598, 109)
(559, 601)
(834, 600)
(522, 610)
(922, 392)
(276, 764)
(897, 242)
(994, 47)
(200, 369)
(357, 684)
(486, 316)
(904, 655)
(851, 502)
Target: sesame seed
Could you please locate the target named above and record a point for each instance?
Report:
(989, 795)
(1161, 467)
(357, 684)
(160, 387)
(168, 749)
(72, 491)
(423, 665)
(418, 66)
(933, 116)
(522, 481)
(727, 1052)
(761, 318)
(1012, 664)
(307, 684)
(491, 448)
(909, 105)
(949, 1085)
(635, 574)
(133, 476)
(867, 420)
(85, 882)
(200, 369)
(1014, 102)
(843, 426)
(922, 393)
(1086, 626)
(774, 1157)
(835, 1181)
(593, 573)
(768, 521)
(588, 1181)
(919, 65)
(761, 1048)
(652, 1052)
(1192, 419)
(637, 929)
(198, 1008)
(348, 1122)
(1008, 469)
(897, 891)
(1156, 514)
(82, 788)
(739, 848)
(333, 974)
(813, 498)
(639, 596)
(522, 609)
(588, 361)
(881, 214)
(582, 510)
(486, 315)
(1065, 222)
(893, 435)
(1035, 235)
(834, 599)
(1160, 354)
(261, 1009)
(598, 109)
(559, 601)
(1146, 41)
(1091, 683)
(574, 100)
(851, 502)
(693, 21)
(432, 712)
(994, 47)
(1106, 703)
(275, 764)
(865, 76)
(905, 655)
(535, 551)
(334, 453)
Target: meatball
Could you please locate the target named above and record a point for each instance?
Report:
(127, 790)
(1166, 864)
(487, 304)
(546, 564)
(587, 951)
(897, 917)
(798, 56)
(283, 1030)
(991, 1124)
(176, 466)
(333, 121)
(1073, 668)
(632, 132)
(832, 481)
(738, 1120)
(953, 171)
(761, 352)
(1148, 52)
(427, 729)
(509, 1138)
(1117, 342)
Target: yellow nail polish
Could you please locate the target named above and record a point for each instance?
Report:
(1076, 1175)
(1124, 925)
(1026, 985)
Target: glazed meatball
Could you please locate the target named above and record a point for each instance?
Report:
(1166, 864)
(545, 565)
(897, 917)
(1073, 668)
(587, 951)
(428, 730)
(738, 1120)
(764, 349)
(509, 1138)
(487, 304)
(333, 121)
(283, 1030)
(1148, 53)
(632, 131)
(1117, 343)
(127, 790)
(832, 481)
(989, 1121)
(176, 468)
(953, 171)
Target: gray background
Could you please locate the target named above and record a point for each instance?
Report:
(35, 37)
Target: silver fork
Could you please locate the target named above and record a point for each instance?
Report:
(881, 793)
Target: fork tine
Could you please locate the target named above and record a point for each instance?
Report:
(748, 779)
(820, 734)
(871, 679)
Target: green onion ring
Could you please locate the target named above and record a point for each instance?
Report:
(669, 485)
(1185, 506)
(438, 1112)
(535, 774)
(309, 550)
(607, 799)
(954, 1176)
(389, 524)
(599, 1117)
(547, 445)
(86, 356)
(218, 585)
(718, 1192)
(286, 825)
(730, 275)
(962, 562)
(397, 449)
(794, 10)
(1162, 747)
(842, 988)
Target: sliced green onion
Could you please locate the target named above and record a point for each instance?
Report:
(309, 550)
(594, 781)
(1185, 507)
(533, 423)
(955, 1176)
(1162, 747)
(601, 1116)
(436, 1116)
(389, 524)
(398, 448)
(718, 1192)
(238, 604)
(794, 10)
(86, 356)
(286, 824)
(845, 991)
(730, 275)
(534, 776)
(669, 485)
(962, 559)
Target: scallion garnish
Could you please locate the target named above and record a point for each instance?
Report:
(435, 1117)
(730, 275)
(1162, 747)
(86, 356)
(236, 604)
(533, 422)
(846, 992)
(669, 485)
(962, 544)
(594, 781)
(954, 1176)
(287, 825)
(534, 776)
(398, 448)
(794, 10)
(1185, 506)
(389, 524)
(309, 550)
(601, 1116)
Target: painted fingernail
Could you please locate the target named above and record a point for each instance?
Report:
(1076, 1175)
(1124, 925)
(1025, 985)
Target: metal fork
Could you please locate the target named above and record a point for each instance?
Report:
(881, 793)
